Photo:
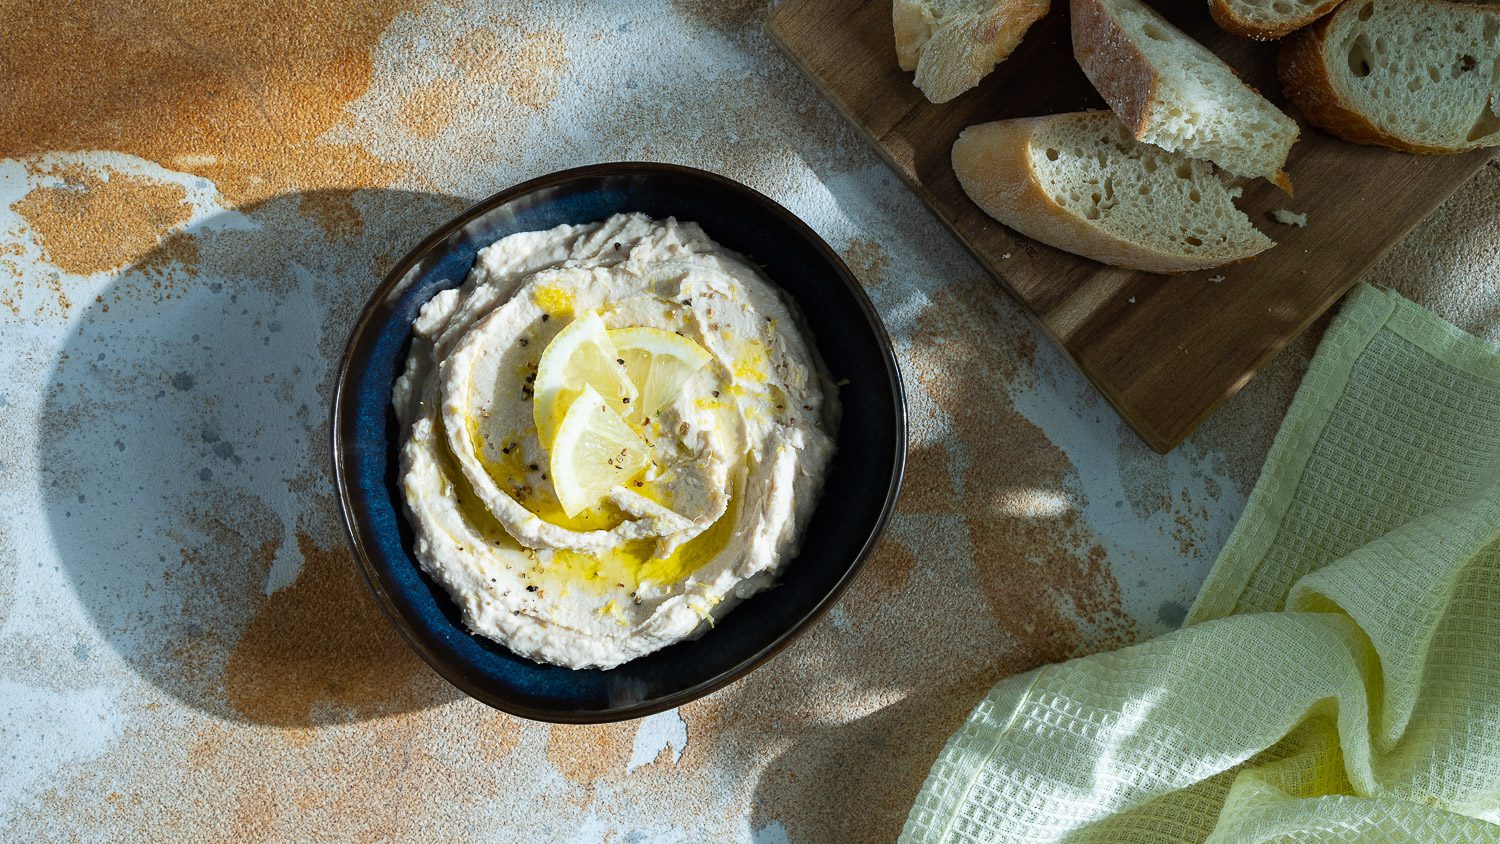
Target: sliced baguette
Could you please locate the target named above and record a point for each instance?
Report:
(1415, 75)
(952, 44)
(1079, 182)
(1267, 20)
(1171, 91)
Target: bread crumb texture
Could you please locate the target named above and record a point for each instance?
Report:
(1195, 103)
(1139, 192)
(1424, 75)
(1288, 217)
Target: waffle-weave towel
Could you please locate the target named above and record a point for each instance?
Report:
(1338, 677)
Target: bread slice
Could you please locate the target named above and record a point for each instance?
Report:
(1171, 91)
(1267, 20)
(1079, 182)
(1414, 75)
(952, 44)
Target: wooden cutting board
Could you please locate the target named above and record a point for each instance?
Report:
(1164, 350)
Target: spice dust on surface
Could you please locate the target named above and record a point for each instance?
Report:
(97, 221)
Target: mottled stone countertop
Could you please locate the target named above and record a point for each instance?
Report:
(196, 198)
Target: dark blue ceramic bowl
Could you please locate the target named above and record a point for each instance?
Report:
(856, 502)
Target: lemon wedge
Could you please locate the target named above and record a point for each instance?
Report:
(658, 363)
(580, 356)
(594, 452)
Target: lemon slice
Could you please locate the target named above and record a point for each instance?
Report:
(581, 355)
(658, 362)
(594, 452)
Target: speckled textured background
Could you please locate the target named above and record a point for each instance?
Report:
(195, 199)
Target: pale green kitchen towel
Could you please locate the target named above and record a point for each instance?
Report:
(1339, 674)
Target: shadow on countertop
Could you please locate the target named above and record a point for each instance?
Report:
(185, 462)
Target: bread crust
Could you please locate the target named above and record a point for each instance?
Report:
(1122, 74)
(993, 164)
(1224, 15)
(1116, 67)
(1308, 82)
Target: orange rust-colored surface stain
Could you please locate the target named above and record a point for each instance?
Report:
(497, 735)
(866, 259)
(1043, 578)
(888, 568)
(426, 110)
(730, 16)
(1187, 520)
(586, 753)
(94, 222)
(333, 211)
(13, 286)
(178, 251)
(536, 67)
(238, 93)
(528, 64)
(928, 487)
(380, 782)
(381, 264)
(480, 54)
(321, 642)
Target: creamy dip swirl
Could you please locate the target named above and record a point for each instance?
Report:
(737, 457)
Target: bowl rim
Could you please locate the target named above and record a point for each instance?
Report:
(353, 521)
